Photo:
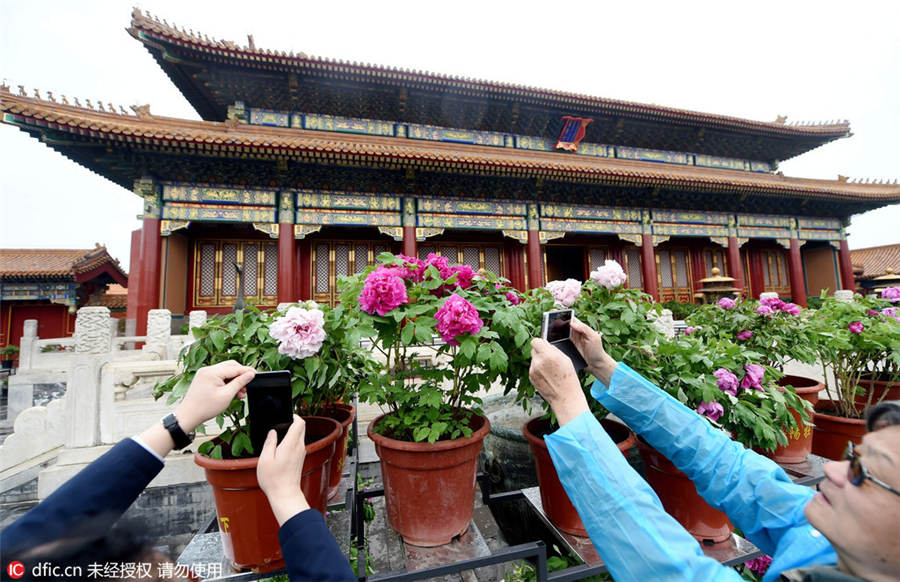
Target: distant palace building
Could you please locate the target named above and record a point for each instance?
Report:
(304, 169)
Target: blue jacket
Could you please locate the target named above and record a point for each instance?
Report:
(648, 544)
(103, 490)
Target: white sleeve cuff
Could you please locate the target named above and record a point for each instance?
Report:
(141, 442)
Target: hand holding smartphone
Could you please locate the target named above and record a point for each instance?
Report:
(269, 401)
(557, 330)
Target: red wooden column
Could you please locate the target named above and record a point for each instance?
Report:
(148, 266)
(648, 266)
(514, 257)
(149, 272)
(795, 266)
(286, 249)
(535, 272)
(847, 280)
(410, 248)
(734, 264)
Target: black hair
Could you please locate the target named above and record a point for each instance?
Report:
(886, 413)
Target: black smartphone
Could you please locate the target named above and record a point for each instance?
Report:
(557, 330)
(269, 401)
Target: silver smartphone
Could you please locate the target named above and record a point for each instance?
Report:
(557, 330)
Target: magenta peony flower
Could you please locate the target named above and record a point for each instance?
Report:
(512, 297)
(727, 381)
(753, 377)
(464, 275)
(764, 310)
(457, 316)
(892, 294)
(889, 312)
(774, 303)
(564, 292)
(759, 565)
(413, 268)
(689, 330)
(384, 290)
(726, 303)
(711, 410)
(855, 327)
(791, 308)
(610, 275)
(744, 335)
(441, 264)
(300, 332)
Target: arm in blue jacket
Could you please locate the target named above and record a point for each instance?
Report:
(95, 497)
(311, 552)
(753, 491)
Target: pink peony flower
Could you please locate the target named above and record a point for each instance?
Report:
(764, 310)
(872, 313)
(564, 292)
(383, 291)
(892, 294)
(744, 335)
(442, 264)
(512, 297)
(726, 303)
(727, 381)
(689, 330)
(753, 377)
(889, 312)
(855, 327)
(300, 332)
(610, 275)
(791, 308)
(413, 268)
(457, 316)
(711, 410)
(759, 565)
(464, 275)
(773, 303)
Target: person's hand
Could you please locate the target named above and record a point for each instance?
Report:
(280, 468)
(213, 389)
(553, 374)
(590, 345)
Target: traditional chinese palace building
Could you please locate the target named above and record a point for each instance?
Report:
(49, 285)
(303, 169)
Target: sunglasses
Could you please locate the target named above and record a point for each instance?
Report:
(856, 471)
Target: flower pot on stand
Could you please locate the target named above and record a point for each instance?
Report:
(429, 488)
(247, 525)
(555, 501)
(831, 432)
(344, 414)
(680, 498)
(799, 439)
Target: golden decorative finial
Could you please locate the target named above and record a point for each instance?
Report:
(77, 103)
(122, 110)
(112, 108)
(64, 100)
(141, 110)
(100, 106)
(37, 93)
(50, 97)
(89, 104)
(250, 44)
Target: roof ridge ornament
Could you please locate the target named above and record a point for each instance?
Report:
(142, 111)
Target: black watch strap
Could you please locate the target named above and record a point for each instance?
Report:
(181, 440)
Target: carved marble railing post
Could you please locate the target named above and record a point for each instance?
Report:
(27, 345)
(196, 319)
(159, 330)
(92, 341)
(844, 295)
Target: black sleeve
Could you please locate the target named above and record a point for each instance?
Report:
(94, 498)
(311, 552)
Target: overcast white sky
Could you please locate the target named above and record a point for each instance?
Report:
(807, 60)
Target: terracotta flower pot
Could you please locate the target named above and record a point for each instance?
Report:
(831, 432)
(248, 527)
(429, 489)
(556, 503)
(879, 389)
(680, 498)
(344, 414)
(799, 439)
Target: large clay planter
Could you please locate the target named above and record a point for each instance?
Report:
(429, 489)
(556, 503)
(247, 525)
(680, 498)
(880, 390)
(831, 433)
(799, 439)
(343, 413)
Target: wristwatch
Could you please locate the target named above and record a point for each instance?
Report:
(181, 440)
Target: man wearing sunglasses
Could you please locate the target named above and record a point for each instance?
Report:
(850, 530)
